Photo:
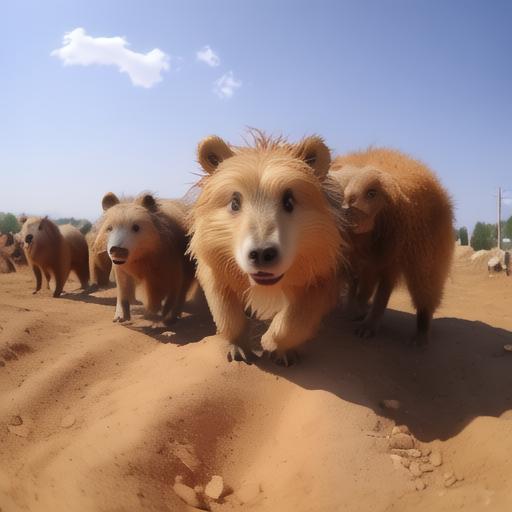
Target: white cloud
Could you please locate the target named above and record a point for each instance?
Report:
(225, 86)
(208, 56)
(80, 49)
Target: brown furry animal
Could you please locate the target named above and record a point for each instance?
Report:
(147, 242)
(99, 261)
(265, 236)
(55, 250)
(401, 224)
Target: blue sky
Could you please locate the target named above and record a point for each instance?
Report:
(433, 78)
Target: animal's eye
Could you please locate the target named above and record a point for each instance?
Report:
(135, 228)
(371, 193)
(109, 228)
(288, 201)
(236, 202)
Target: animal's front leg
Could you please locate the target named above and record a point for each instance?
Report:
(297, 323)
(125, 292)
(38, 276)
(228, 313)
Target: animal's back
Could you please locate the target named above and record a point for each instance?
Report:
(77, 243)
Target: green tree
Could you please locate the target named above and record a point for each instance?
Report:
(8, 223)
(484, 236)
(507, 228)
(463, 236)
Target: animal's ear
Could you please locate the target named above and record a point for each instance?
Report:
(149, 202)
(22, 219)
(391, 188)
(211, 152)
(109, 200)
(316, 154)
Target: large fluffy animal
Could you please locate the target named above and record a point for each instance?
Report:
(400, 220)
(266, 238)
(54, 251)
(147, 241)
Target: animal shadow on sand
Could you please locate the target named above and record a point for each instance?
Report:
(462, 374)
(86, 296)
(195, 323)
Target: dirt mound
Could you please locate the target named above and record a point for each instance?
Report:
(99, 416)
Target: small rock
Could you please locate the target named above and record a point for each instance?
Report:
(508, 347)
(187, 494)
(426, 468)
(215, 487)
(16, 421)
(406, 462)
(67, 421)
(390, 404)
(248, 491)
(419, 484)
(450, 481)
(415, 470)
(168, 334)
(401, 441)
(397, 461)
(436, 459)
(21, 430)
(426, 451)
(400, 429)
(413, 453)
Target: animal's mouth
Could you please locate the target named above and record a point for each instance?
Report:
(118, 262)
(265, 278)
(357, 219)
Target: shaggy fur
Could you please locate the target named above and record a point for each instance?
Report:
(54, 251)
(401, 224)
(263, 180)
(147, 241)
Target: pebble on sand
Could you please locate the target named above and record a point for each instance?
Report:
(401, 441)
(400, 429)
(419, 484)
(450, 481)
(436, 459)
(508, 347)
(215, 487)
(415, 470)
(68, 421)
(426, 468)
(16, 421)
(187, 494)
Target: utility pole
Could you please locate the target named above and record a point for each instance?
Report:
(499, 217)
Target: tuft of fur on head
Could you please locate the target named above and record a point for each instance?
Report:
(270, 193)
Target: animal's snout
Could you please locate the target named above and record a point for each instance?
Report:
(118, 254)
(29, 238)
(264, 256)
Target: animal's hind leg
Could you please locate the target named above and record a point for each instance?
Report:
(47, 276)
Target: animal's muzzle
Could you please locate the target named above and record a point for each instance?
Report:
(118, 255)
(263, 256)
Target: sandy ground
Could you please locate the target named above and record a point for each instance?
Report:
(95, 416)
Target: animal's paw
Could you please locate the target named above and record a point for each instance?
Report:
(120, 319)
(284, 358)
(366, 330)
(237, 353)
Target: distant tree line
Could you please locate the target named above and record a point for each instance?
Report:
(9, 223)
(484, 236)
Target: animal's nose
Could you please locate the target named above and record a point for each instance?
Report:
(119, 252)
(29, 238)
(263, 257)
